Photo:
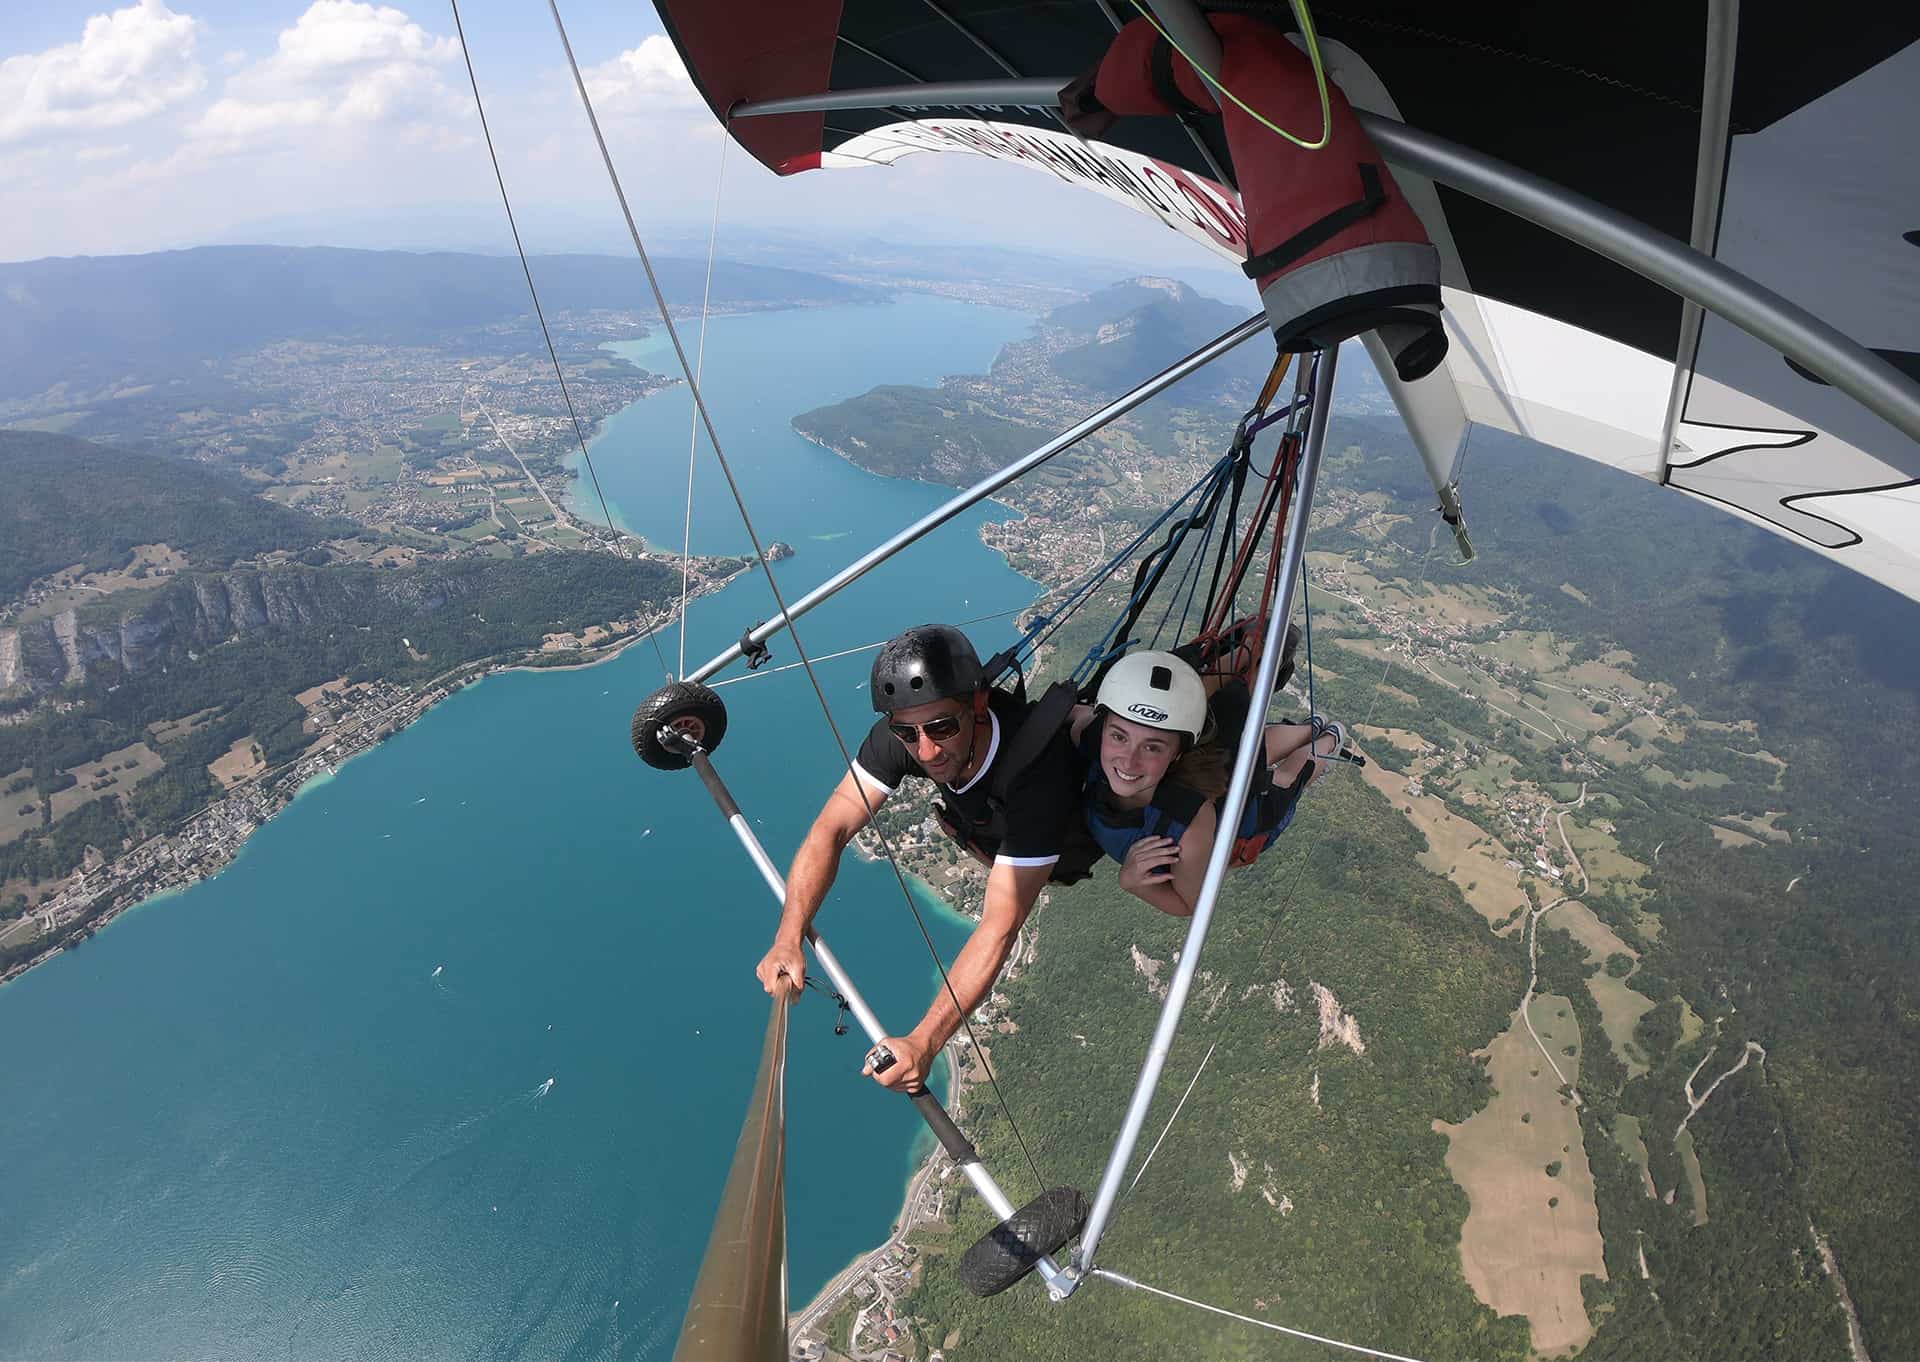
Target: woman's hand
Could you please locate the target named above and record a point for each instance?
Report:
(1149, 865)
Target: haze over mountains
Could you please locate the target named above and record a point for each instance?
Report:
(85, 321)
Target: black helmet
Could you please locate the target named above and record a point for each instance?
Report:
(927, 663)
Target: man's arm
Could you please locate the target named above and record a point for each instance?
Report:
(1011, 891)
(847, 810)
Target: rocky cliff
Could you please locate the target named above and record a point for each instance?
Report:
(202, 611)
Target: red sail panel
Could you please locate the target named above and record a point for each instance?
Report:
(760, 49)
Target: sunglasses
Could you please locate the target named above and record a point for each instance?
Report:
(940, 730)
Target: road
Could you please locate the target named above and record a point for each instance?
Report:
(1533, 978)
(1560, 820)
(1694, 1104)
(558, 518)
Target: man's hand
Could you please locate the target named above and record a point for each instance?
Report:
(1149, 863)
(784, 966)
(912, 1058)
(1082, 109)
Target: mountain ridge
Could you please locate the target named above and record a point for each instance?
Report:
(87, 320)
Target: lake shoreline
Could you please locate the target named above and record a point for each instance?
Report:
(80, 927)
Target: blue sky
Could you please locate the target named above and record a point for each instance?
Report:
(159, 124)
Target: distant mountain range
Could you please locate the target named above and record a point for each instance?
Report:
(88, 320)
(1141, 326)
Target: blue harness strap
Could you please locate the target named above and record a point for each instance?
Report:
(1171, 811)
(1169, 814)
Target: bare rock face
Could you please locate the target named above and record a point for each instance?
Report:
(1337, 1027)
(11, 670)
(194, 613)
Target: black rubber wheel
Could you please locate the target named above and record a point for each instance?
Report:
(1010, 1249)
(686, 707)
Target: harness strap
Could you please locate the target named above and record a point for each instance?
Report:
(1166, 85)
(1373, 195)
(1042, 723)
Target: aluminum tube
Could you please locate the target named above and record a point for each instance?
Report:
(976, 1172)
(758, 855)
(829, 962)
(1252, 738)
(843, 985)
(1760, 312)
(1030, 93)
(1756, 310)
(989, 1190)
(1709, 185)
(1191, 33)
(980, 491)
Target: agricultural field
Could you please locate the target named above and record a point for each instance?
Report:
(1534, 1229)
(1457, 849)
(241, 762)
(1621, 1007)
(20, 810)
(172, 730)
(116, 773)
(1626, 1134)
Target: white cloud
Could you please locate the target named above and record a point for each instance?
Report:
(343, 63)
(128, 65)
(647, 78)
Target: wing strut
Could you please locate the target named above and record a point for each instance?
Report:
(1293, 551)
(986, 487)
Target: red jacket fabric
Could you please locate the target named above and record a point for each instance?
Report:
(1334, 246)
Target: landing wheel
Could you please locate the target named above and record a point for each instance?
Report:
(687, 708)
(1010, 1250)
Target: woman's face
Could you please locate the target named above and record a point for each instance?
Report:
(1133, 757)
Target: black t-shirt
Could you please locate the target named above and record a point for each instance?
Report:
(1039, 803)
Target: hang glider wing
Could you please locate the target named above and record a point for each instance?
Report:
(1802, 179)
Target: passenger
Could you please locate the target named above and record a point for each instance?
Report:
(1009, 803)
(1155, 752)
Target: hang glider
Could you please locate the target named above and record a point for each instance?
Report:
(1775, 143)
(1678, 246)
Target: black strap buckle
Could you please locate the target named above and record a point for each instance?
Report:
(755, 651)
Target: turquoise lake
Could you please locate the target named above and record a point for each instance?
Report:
(303, 1109)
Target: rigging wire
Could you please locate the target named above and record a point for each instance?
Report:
(1034, 604)
(540, 314)
(699, 372)
(746, 519)
(1121, 1279)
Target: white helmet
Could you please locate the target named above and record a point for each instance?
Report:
(1158, 690)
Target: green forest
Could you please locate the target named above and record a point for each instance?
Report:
(68, 501)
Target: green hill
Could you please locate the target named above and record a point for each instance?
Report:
(1138, 328)
(1080, 354)
(65, 501)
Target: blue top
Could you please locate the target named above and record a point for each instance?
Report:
(1174, 806)
(1169, 813)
